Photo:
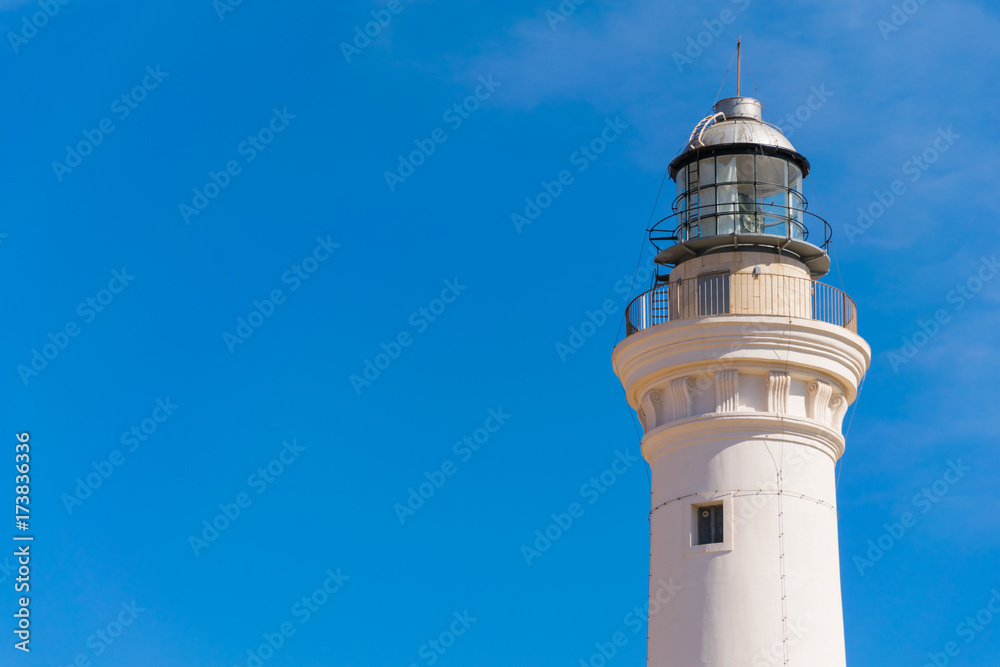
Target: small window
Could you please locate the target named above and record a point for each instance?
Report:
(709, 522)
(713, 294)
(710, 528)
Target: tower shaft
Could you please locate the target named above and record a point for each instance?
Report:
(742, 394)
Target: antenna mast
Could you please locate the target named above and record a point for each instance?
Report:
(739, 62)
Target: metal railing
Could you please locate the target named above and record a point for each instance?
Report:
(740, 217)
(741, 294)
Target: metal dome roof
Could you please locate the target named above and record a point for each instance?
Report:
(736, 123)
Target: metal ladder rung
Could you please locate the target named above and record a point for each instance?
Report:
(700, 128)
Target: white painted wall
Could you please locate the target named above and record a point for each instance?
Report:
(726, 402)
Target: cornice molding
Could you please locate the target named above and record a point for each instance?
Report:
(742, 343)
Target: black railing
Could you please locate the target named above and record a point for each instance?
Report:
(735, 218)
(741, 294)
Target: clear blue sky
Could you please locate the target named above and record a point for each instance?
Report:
(299, 141)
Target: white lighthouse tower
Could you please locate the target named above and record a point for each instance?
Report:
(741, 367)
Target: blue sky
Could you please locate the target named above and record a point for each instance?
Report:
(337, 262)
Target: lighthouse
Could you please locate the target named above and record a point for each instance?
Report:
(741, 366)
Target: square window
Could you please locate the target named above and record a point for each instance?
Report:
(709, 527)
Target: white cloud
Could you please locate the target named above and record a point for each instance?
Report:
(621, 60)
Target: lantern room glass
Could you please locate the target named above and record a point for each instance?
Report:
(740, 193)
